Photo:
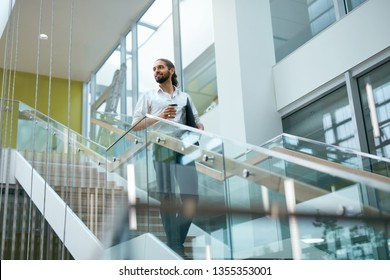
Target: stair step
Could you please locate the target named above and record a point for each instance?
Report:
(91, 199)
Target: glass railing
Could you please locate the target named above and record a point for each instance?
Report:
(74, 167)
(332, 210)
(106, 128)
(87, 176)
(314, 150)
(253, 202)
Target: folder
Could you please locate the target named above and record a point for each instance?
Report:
(190, 115)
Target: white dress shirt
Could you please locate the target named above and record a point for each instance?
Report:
(154, 101)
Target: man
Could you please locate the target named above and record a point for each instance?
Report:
(169, 167)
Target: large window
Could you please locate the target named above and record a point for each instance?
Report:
(374, 90)
(155, 40)
(328, 120)
(108, 90)
(198, 53)
(296, 22)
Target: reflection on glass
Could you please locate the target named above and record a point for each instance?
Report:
(296, 22)
(352, 4)
(379, 81)
(198, 53)
(129, 74)
(328, 120)
(331, 153)
(108, 98)
(317, 194)
(108, 92)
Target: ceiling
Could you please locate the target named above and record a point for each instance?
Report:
(94, 32)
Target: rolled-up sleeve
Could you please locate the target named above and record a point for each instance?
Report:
(141, 109)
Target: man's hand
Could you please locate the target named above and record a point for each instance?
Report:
(169, 112)
(200, 126)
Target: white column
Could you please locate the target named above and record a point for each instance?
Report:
(244, 60)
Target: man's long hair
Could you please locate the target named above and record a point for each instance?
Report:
(170, 65)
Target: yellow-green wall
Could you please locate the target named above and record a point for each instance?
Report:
(25, 89)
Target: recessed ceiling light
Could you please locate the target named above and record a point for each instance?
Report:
(43, 36)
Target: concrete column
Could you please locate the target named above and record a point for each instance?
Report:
(244, 60)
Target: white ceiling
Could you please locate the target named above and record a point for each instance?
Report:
(96, 28)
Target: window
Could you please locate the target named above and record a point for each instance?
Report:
(374, 90)
(155, 40)
(198, 53)
(328, 120)
(352, 4)
(108, 75)
(296, 22)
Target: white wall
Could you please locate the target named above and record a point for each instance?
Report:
(355, 38)
(211, 121)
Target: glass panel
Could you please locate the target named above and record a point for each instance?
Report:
(126, 166)
(296, 22)
(351, 158)
(155, 40)
(374, 90)
(198, 53)
(340, 238)
(129, 75)
(265, 185)
(188, 168)
(173, 159)
(110, 84)
(157, 13)
(242, 188)
(328, 120)
(107, 128)
(352, 4)
(71, 165)
(116, 192)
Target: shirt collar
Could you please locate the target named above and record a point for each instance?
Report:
(175, 92)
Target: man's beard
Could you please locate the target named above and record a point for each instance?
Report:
(162, 78)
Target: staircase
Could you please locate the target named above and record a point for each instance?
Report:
(82, 185)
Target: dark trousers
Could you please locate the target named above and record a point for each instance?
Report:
(170, 171)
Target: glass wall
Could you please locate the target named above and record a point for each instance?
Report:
(198, 53)
(155, 33)
(129, 74)
(108, 89)
(374, 90)
(107, 76)
(352, 4)
(328, 120)
(296, 22)
(157, 29)
(155, 40)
